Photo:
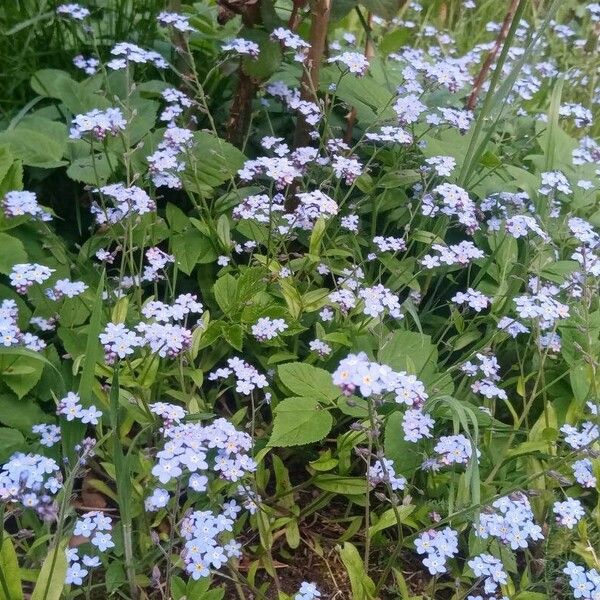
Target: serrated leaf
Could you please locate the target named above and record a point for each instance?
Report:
(299, 421)
(404, 454)
(306, 380)
(13, 252)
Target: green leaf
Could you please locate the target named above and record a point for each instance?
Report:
(306, 380)
(212, 162)
(37, 141)
(385, 8)
(388, 518)
(10, 572)
(20, 374)
(338, 484)
(13, 252)
(269, 58)
(189, 247)
(225, 290)
(51, 580)
(299, 421)
(362, 585)
(409, 351)
(93, 170)
(10, 441)
(404, 454)
(20, 414)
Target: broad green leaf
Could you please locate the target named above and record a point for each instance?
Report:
(20, 374)
(35, 147)
(189, 248)
(385, 8)
(12, 253)
(20, 414)
(299, 421)
(211, 162)
(93, 170)
(362, 585)
(11, 440)
(269, 58)
(9, 565)
(409, 351)
(388, 518)
(405, 454)
(51, 580)
(226, 293)
(305, 380)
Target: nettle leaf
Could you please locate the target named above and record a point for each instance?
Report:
(20, 374)
(11, 440)
(93, 170)
(405, 454)
(13, 252)
(409, 351)
(20, 414)
(38, 142)
(309, 381)
(212, 162)
(299, 421)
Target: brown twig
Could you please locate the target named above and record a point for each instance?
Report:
(369, 53)
(240, 112)
(489, 60)
(294, 20)
(320, 10)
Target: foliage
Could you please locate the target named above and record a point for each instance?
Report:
(366, 367)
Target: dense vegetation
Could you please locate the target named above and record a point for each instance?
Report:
(300, 300)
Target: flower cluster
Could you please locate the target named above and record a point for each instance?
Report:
(454, 450)
(204, 546)
(242, 46)
(585, 584)
(247, 378)
(96, 527)
(457, 254)
(307, 591)
(166, 163)
(267, 329)
(89, 65)
(126, 201)
(382, 471)
(177, 21)
(49, 434)
(75, 11)
(32, 480)
(510, 520)
(192, 449)
(472, 298)
(438, 546)
(16, 204)
(569, 512)
(98, 124)
(487, 370)
(490, 567)
(10, 334)
(128, 53)
(70, 407)
(24, 275)
(451, 200)
(356, 371)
